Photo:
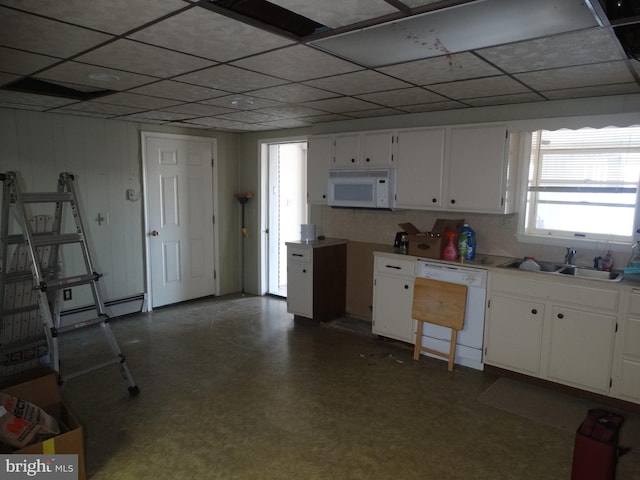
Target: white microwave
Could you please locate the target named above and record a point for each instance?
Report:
(361, 188)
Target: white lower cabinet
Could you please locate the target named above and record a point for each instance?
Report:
(547, 327)
(626, 384)
(393, 297)
(514, 338)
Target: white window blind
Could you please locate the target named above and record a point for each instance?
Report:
(584, 183)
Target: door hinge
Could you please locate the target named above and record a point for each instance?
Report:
(489, 303)
(610, 382)
(215, 275)
(485, 351)
(213, 219)
(616, 327)
(212, 161)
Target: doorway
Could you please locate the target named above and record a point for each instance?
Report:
(179, 191)
(285, 167)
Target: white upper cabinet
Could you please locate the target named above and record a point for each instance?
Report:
(319, 157)
(476, 176)
(368, 149)
(419, 168)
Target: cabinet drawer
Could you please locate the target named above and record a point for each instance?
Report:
(300, 255)
(395, 266)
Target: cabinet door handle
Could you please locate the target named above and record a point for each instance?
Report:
(304, 270)
(368, 159)
(297, 255)
(534, 311)
(560, 315)
(393, 266)
(406, 287)
(453, 200)
(353, 160)
(434, 200)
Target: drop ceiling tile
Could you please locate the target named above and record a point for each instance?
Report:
(504, 99)
(20, 98)
(17, 106)
(290, 111)
(78, 73)
(186, 124)
(446, 68)
(588, 46)
(329, 117)
(293, 93)
(103, 108)
(139, 101)
(341, 105)
(178, 91)
(596, 91)
(23, 63)
(159, 62)
(114, 16)
(432, 107)
(6, 78)
(420, 3)
(363, 81)
(163, 115)
(241, 102)
(137, 119)
(248, 117)
(220, 123)
(575, 77)
(48, 37)
(297, 63)
(378, 112)
(198, 110)
(232, 79)
(405, 96)
(209, 35)
(284, 123)
(338, 14)
(479, 87)
(66, 111)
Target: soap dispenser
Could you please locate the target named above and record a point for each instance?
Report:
(606, 263)
(450, 251)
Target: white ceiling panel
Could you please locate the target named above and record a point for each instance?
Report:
(504, 99)
(341, 105)
(577, 77)
(159, 62)
(356, 83)
(103, 108)
(297, 63)
(231, 79)
(338, 14)
(198, 109)
(290, 111)
(48, 37)
(80, 74)
(143, 102)
(293, 93)
(23, 63)
(621, 88)
(178, 91)
(377, 112)
(432, 107)
(20, 98)
(114, 16)
(209, 35)
(479, 87)
(406, 96)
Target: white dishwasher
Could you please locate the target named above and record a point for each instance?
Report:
(470, 338)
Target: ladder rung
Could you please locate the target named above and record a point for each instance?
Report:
(83, 324)
(99, 366)
(49, 239)
(15, 277)
(69, 281)
(46, 197)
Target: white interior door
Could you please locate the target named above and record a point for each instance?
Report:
(179, 217)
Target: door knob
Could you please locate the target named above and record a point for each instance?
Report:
(154, 233)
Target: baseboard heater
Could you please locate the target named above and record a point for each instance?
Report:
(113, 308)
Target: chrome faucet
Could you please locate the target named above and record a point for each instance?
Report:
(568, 258)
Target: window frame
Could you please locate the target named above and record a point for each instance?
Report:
(561, 237)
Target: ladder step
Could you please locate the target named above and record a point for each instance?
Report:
(46, 197)
(74, 281)
(86, 323)
(49, 239)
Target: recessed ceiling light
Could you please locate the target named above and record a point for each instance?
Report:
(104, 77)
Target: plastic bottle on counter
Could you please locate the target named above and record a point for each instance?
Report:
(606, 263)
(467, 243)
(530, 264)
(450, 251)
(635, 255)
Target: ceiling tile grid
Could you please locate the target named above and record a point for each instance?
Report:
(193, 63)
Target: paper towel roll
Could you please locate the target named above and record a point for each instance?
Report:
(307, 232)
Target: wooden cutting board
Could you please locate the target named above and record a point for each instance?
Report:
(441, 303)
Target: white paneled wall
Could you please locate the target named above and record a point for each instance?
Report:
(104, 156)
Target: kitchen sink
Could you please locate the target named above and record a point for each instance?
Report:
(570, 270)
(591, 273)
(545, 267)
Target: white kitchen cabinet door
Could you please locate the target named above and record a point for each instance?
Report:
(377, 149)
(581, 348)
(419, 168)
(319, 158)
(346, 151)
(513, 334)
(392, 304)
(626, 384)
(477, 169)
(300, 289)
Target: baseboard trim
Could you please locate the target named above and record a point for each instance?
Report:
(113, 308)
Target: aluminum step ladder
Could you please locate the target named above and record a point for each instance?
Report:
(41, 247)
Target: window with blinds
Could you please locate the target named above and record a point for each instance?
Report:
(584, 183)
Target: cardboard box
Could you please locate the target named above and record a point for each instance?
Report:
(44, 392)
(430, 244)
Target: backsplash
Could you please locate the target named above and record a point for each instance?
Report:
(495, 234)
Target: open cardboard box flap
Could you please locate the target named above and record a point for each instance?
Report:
(430, 244)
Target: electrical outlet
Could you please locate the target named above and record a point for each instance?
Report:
(66, 294)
